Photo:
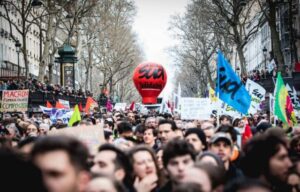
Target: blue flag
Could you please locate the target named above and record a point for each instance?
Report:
(230, 88)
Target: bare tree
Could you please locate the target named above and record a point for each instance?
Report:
(28, 17)
(237, 15)
(269, 10)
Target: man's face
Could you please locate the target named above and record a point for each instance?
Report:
(195, 141)
(58, 172)
(131, 117)
(148, 136)
(32, 130)
(104, 163)
(208, 129)
(165, 133)
(222, 149)
(279, 164)
(177, 167)
(208, 134)
(151, 122)
(225, 121)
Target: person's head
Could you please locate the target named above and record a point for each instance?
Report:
(125, 129)
(32, 130)
(131, 117)
(150, 122)
(104, 184)
(295, 145)
(108, 125)
(222, 145)
(196, 137)
(149, 136)
(44, 128)
(239, 123)
(217, 174)
(18, 174)
(139, 132)
(166, 130)
(208, 129)
(211, 158)
(178, 155)
(270, 154)
(188, 187)
(159, 155)
(111, 161)
(109, 137)
(194, 173)
(63, 161)
(229, 130)
(25, 146)
(225, 120)
(143, 160)
(246, 185)
(294, 181)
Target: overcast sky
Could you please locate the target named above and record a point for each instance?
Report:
(151, 25)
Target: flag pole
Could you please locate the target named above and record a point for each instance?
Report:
(218, 93)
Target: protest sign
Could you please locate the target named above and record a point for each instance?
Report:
(55, 114)
(91, 136)
(65, 103)
(120, 106)
(257, 94)
(195, 108)
(14, 100)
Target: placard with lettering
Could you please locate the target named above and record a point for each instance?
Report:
(14, 100)
(92, 136)
(195, 108)
(257, 94)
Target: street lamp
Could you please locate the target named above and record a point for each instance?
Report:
(67, 60)
(18, 46)
(265, 51)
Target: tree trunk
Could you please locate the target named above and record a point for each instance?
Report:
(239, 49)
(50, 67)
(276, 45)
(47, 43)
(24, 50)
(210, 81)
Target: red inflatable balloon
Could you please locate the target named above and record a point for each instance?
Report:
(149, 79)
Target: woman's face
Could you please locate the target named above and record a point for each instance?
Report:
(143, 164)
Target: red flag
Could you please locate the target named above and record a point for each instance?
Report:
(132, 106)
(247, 134)
(58, 105)
(89, 103)
(48, 105)
(80, 107)
(169, 105)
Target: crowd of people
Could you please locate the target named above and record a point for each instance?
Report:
(36, 86)
(150, 153)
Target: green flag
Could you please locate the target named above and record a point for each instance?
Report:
(75, 116)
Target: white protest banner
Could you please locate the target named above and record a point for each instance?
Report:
(228, 110)
(14, 100)
(91, 136)
(65, 103)
(55, 114)
(195, 108)
(257, 93)
(120, 106)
